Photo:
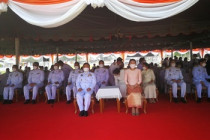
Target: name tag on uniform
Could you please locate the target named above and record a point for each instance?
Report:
(89, 75)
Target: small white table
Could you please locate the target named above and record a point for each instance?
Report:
(109, 92)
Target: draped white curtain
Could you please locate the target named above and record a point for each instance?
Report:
(48, 15)
(55, 15)
(147, 12)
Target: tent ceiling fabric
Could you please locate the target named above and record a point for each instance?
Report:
(101, 23)
(49, 14)
(97, 30)
(33, 47)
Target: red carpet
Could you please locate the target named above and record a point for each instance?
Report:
(163, 121)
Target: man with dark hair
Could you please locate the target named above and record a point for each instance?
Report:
(72, 82)
(94, 67)
(195, 61)
(116, 71)
(185, 63)
(14, 81)
(119, 59)
(55, 80)
(66, 70)
(141, 62)
(85, 84)
(119, 65)
(102, 76)
(35, 81)
(207, 57)
(199, 79)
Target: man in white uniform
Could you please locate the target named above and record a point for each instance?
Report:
(72, 82)
(174, 77)
(66, 70)
(55, 80)
(14, 81)
(35, 81)
(102, 76)
(85, 84)
(199, 79)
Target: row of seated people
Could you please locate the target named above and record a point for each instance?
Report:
(172, 78)
(119, 80)
(56, 77)
(83, 83)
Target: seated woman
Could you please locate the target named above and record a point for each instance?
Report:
(148, 83)
(119, 76)
(133, 81)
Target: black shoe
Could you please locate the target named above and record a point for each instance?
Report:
(208, 99)
(48, 101)
(85, 113)
(33, 101)
(5, 102)
(27, 102)
(199, 100)
(68, 102)
(183, 100)
(52, 101)
(10, 102)
(175, 100)
(81, 113)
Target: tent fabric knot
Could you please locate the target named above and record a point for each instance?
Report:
(3, 6)
(95, 3)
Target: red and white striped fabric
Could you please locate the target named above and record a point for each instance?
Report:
(54, 13)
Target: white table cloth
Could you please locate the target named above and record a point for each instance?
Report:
(109, 92)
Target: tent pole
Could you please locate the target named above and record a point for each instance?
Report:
(52, 57)
(161, 56)
(202, 52)
(17, 50)
(87, 57)
(172, 53)
(191, 52)
(123, 56)
(76, 57)
(57, 55)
